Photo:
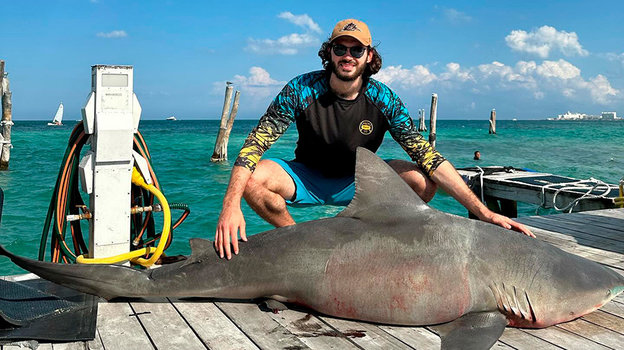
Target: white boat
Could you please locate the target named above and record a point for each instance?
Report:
(171, 118)
(58, 117)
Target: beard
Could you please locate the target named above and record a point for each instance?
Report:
(359, 70)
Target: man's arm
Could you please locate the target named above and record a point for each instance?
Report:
(271, 126)
(433, 163)
(450, 181)
(231, 219)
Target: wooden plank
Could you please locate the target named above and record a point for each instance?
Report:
(518, 339)
(26, 344)
(594, 332)
(164, 325)
(212, 326)
(416, 337)
(564, 338)
(617, 213)
(263, 330)
(79, 345)
(597, 220)
(314, 332)
(611, 259)
(614, 308)
(96, 343)
(606, 320)
(119, 329)
(532, 194)
(581, 238)
(583, 227)
(598, 244)
(374, 336)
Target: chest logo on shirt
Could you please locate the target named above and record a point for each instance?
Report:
(366, 127)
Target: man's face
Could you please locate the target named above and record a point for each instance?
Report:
(347, 67)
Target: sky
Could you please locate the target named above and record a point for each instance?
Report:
(527, 59)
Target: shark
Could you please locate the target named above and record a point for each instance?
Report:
(386, 258)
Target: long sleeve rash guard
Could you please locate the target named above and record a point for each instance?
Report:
(330, 128)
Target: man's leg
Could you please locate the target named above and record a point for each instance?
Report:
(267, 191)
(415, 178)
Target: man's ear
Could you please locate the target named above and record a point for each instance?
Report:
(369, 57)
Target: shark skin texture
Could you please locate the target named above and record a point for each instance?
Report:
(387, 258)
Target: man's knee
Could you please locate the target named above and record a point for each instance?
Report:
(415, 178)
(269, 176)
(259, 178)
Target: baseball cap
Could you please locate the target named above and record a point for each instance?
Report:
(353, 28)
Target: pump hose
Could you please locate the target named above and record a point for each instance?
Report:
(619, 201)
(135, 256)
(67, 199)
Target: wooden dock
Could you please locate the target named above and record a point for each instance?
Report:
(200, 324)
(506, 184)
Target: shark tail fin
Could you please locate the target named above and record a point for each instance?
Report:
(106, 281)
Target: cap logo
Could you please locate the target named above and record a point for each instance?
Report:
(351, 27)
(366, 127)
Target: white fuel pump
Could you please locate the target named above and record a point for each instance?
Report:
(111, 116)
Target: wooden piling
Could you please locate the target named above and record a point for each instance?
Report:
(493, 121)
(421, 120)
(220, 149)
(6, 122)
(433, 115)
(230, 123)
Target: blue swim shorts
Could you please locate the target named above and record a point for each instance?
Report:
(313, 188)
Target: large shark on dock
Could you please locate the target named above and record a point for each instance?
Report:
(387, 258)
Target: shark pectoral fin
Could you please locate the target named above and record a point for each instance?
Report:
(474, 331)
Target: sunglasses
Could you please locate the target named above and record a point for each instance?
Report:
(355, 51)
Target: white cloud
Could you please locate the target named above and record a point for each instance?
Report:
(615, 57)
(540, 80)
(113, 34)
(454, 72)
(545, 39)
(455, 16)
(257, 84)
(288, 44)
(601, 90)
(301, 20)
(414, 77)
(558, 69)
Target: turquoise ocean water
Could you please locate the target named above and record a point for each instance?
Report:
(181, 153)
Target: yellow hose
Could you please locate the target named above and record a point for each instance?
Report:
(619, 201)
(136, 256)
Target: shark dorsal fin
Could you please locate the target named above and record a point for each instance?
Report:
(200, 245)
(199, 249)
(379, 188)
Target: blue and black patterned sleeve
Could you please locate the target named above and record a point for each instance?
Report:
(272, 125)
(293, 98)
(402, 128)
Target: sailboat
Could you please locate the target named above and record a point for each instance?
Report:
(58, 117)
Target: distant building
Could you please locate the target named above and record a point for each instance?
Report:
(582, 116)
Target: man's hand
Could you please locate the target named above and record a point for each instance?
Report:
(231, 221)
(507, 223)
